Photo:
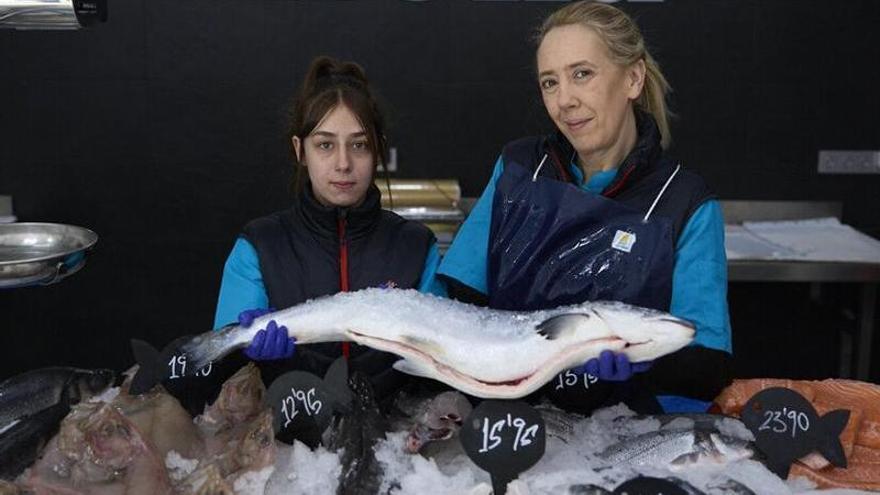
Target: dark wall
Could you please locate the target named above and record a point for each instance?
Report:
(163, 129)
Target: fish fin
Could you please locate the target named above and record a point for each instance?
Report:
(412, 368)
(685, 460)
(833, 425)
(557, 326)
(147, 358)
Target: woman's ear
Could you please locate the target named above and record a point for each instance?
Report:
(297, 148)
(635, 79)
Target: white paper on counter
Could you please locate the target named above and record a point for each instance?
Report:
(818, 239)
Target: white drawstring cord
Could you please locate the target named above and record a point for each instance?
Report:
(538, 170)
(657, 199)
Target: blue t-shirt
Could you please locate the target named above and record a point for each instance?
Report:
(699, 278)
(242, 285)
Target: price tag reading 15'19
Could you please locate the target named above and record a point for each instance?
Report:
(504, 438)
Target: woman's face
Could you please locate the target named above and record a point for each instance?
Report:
(338, 158)
(587, 95)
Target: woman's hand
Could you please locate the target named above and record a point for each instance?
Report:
(270, 343)
(611, 367)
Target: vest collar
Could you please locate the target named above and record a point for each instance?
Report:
(637, 163)
(324, 220)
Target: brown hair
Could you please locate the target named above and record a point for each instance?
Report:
(328, 83)
(627, 46)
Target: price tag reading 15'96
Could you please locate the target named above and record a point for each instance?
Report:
(504, 438)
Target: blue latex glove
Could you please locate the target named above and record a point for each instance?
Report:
(611, 367)
(270, 343)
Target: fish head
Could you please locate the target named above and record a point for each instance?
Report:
(646, 333)
(441, 419)
(732, 449)
(88, 383)
(256, 446)
(98, 442)
(241, 396)
(111, 439)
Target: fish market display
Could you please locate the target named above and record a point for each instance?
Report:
(482, 352)
(860, 439)
(148, 444)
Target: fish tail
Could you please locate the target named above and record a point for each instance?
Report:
(147, 376)
(832, 425)
(209, 346)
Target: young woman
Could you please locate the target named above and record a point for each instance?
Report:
(597, 210)
(335, 237)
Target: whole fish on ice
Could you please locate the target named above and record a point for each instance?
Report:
(483, 352)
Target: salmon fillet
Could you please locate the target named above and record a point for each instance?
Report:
(860, 439)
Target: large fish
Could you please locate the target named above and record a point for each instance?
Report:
(678, 449)
(31, 392)
(482, 352)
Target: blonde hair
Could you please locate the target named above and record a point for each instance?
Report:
(627, 46)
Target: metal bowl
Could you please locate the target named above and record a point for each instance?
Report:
(41, 253)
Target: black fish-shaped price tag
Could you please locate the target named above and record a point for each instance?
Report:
(645, 485)
(504, 438)
(787, 427)
(192, 388)
(303, 404)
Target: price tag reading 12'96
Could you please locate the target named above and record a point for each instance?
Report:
(504, 438)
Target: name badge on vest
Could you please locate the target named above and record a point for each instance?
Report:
(623, 241)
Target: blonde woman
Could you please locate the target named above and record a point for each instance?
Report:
(598, 210)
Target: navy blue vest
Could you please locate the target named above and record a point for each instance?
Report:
(638, 180)
(299, 251)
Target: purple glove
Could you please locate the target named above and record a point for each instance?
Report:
(611, 367)
(246, 317)
(271, 343)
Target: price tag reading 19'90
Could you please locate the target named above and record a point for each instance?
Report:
(504, 438)
(175, 365)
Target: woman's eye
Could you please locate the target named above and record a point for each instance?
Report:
(325, 145)
(548, 84)
(582, 74)
(359, 145)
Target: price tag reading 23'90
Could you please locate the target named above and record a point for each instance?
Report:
(787, 427)
(504, 438)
